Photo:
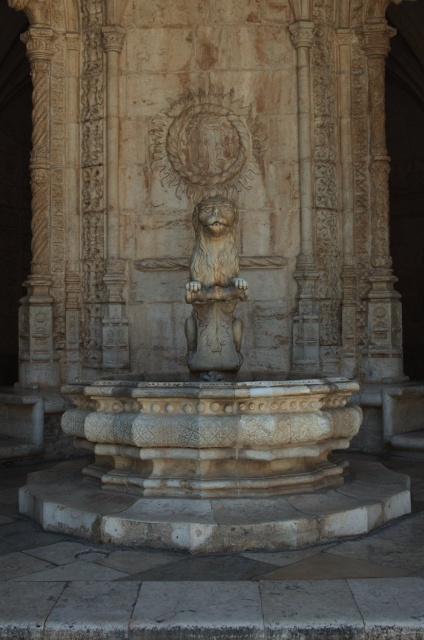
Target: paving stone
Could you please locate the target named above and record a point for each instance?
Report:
(284, 558)
(92, 610)
(383, 551)
(23, 611)
(391, 609)
(325, 566)
(61, 552)
(138, 561)
(207, 568)
(78, 570)
(92, 556)
(300, 610)
(21, 535)
(197, 610)
(13, 565)
(408, 532)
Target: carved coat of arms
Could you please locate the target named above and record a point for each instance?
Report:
(207, 143)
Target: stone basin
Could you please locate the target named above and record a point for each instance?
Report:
(213, 440)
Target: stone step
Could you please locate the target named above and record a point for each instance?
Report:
(359, 609)
(61, 500)
(412, 440)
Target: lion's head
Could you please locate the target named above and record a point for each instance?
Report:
(215, 258)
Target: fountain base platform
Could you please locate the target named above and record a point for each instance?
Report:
(213, 467)
(62, 500)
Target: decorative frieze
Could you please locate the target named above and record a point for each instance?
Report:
(326, 180)
(92, 103)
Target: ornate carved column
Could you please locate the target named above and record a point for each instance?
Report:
(39, 364)
(73, 231)
(115, 323)
(384, 351)
(345, 39)
(306, 321)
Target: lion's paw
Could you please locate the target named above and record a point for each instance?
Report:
(239, 283)
(194, 286)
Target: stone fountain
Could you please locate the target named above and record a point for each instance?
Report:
(213, 464)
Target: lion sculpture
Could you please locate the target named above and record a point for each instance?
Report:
(215, 286)
(214, 261)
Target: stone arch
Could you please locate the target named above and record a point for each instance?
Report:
(376, 9)
(56, 14)
(114, 11)
(302, 9)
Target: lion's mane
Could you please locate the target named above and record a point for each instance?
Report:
(214, 261)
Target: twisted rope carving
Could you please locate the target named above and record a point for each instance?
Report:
(39, 223)
(39, 162)
(40, 98)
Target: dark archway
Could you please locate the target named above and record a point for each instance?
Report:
(405, 141)
(15, 191)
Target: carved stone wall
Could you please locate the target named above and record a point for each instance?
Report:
(140, 109)
(209, 108)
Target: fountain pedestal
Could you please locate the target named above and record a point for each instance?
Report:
(210, 440)
(217, 343)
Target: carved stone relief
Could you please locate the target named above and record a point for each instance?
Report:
(57, 260)
(326, 185)
(207, 143)
(92, 86)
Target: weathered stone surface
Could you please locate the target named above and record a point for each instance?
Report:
(23, 611)
(198, 608)
(275, 95)
(87, 606)
(214, 439)
(207, 526)
(331, 612)
(390, 609)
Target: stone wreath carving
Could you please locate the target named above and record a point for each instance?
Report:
(207, 143)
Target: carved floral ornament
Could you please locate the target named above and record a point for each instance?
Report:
(207, 143)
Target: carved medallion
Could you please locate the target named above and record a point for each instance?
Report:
(207, 143)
